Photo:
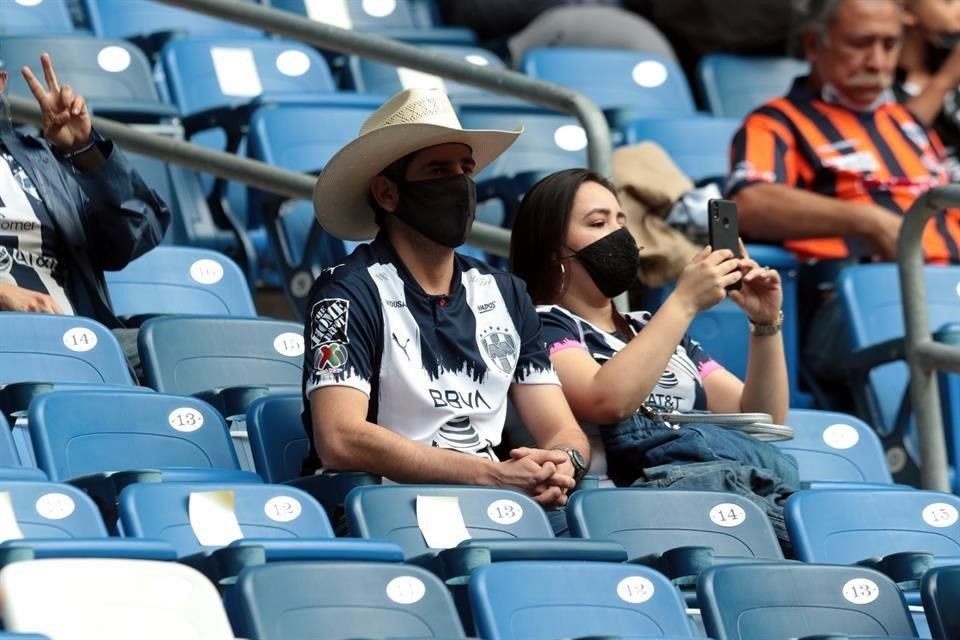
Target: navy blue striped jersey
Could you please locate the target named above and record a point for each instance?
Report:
(680, 387)
(436, 369)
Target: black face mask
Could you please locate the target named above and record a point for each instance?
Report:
(441, 209)
(611, 262)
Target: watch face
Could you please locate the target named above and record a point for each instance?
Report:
(577, 458)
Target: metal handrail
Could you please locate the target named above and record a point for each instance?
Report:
(392, 52)
(254, 173)
(924, 356)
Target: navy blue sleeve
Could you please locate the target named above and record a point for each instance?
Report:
(343, 334)
(559, 330)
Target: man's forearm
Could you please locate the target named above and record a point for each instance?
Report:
(777, 212)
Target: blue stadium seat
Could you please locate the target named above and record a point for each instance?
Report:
(192, 354)
(368, 76)
(277, 439)
(545, 600)
(724, 333)
(113, 76)
(699, 146)
(180, 280)
(871, 305)
(11, 466)
(736, 85)
(21, 636)
(47, 16)
(940, 591)
(399, 19)
(250, 524)
(80, 433)
(774, 601)
(626, 84)
(57, 521)
(286, 136)
(835, 447)
(301, 600)
(36, 347)
(111, 598)
(847, 526)
(150, 24)
(217, 82)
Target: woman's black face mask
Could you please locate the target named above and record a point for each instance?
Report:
(611, 262)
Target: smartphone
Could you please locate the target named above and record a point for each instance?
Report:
(724, 229)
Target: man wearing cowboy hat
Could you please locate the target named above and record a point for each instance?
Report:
(413, 348)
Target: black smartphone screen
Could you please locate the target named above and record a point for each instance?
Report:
(724, 228)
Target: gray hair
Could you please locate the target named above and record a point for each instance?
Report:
(815, 16)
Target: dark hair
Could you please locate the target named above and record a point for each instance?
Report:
(396, 171)
(540, 228)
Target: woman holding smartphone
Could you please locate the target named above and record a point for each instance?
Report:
(571, 247)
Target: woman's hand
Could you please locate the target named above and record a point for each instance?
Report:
(761, 294)
(703, 282)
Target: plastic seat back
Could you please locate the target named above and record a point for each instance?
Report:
(189, 354)
(390, 512)
(699, 146)
(86, 598)
(845, 526)
(166, 511)
(736, 85)
(277, 438)
(47, 510)
(831, 446)
(48, 348)
(47, 16)
(643, 84)
(185, 280)
(140, 18)
(293, 600)
(651, 521)
(940, 590)
(207, 72)
(84, 432)
(773, 601)
(544, 600)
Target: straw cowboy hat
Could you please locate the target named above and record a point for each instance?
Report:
(412, 120)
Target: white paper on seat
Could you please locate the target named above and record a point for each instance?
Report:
(441, 521)
(9, 529)
(236, 72)
(332, 12)
(213, 519)
(413, 79)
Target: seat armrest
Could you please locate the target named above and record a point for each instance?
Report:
(682, 565)
(330, 488)
(130, 548)
(861, 361)
(104, 489)
(456, 564)
(906, 568)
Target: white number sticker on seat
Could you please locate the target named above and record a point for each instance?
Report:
(570, 137)
(635, 589)
(940, 515)
(80, 339)
(406, 590)
(55, 506)
(283, 509)
(728, 514)
(379, 8)
(185, 419)
(649, 74)
(505, 512)
(861, 591)
(114, 59)
(293, 63)
(289, 344)
(206, 271)
(840, 436)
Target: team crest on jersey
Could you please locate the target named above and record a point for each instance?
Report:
(328, 335)
(501, 349)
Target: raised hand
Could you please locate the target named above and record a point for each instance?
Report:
(66, 122)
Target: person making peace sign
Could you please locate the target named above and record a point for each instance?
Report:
(71, 207)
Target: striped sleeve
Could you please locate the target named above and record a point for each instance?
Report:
(762, 152)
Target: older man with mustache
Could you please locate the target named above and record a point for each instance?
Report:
(830, 169)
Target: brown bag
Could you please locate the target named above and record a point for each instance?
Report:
(648, 184)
